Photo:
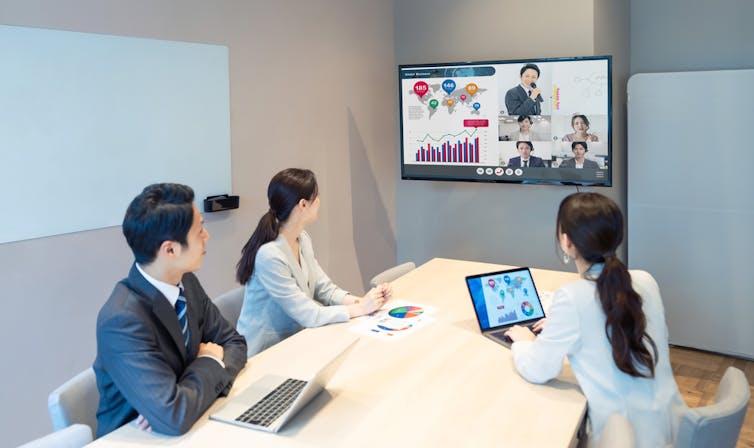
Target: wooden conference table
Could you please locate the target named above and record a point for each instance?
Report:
(444, 385)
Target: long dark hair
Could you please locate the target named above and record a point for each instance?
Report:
(286, 189)
(594, 224)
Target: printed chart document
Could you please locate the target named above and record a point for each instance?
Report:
(397, 319)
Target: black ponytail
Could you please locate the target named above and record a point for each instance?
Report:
(594, 224)
(625, 323)
(266, 231)
(284, 192)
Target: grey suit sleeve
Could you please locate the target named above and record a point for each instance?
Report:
(216, 329)
(170, 401)
(591, 164)
(518, 103)
(275, 276)
(325, 290)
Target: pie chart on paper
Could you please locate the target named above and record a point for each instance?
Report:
(406, 312)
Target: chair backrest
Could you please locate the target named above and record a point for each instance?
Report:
(74, 436)
(229, 304)
(718, 424)
(392, 274)
(617, 433)
(75, 401)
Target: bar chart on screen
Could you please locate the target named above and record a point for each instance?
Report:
(464, 147)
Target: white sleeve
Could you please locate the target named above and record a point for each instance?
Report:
(542, 360)
(275, 276)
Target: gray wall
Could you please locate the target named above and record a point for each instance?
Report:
(688, 35)
(512, 224)
(312, 85)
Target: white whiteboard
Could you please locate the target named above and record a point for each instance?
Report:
(88, 120)
(691, 202)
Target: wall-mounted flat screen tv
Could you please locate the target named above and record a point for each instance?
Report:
(536, 121)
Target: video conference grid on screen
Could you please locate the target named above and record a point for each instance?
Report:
(530, 121)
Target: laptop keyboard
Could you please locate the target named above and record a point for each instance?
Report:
(274, 404)
(502, 336)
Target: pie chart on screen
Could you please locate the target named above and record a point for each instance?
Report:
(406, 312)
(527, 308)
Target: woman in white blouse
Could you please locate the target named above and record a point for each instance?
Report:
(580, 125)
(611, 326)
(286, 289)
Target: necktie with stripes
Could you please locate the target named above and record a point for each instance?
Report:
(180, 309)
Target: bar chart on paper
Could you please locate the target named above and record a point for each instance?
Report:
(464, 147)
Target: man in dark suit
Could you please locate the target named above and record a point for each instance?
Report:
(525, 98)
(525, 159)
(579, 159)
(164, 352)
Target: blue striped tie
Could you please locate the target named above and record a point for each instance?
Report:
(180, 309)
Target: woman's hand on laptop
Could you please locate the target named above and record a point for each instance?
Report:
(539, 325)
(519, 333)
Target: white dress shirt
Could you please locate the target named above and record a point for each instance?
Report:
(171, 292)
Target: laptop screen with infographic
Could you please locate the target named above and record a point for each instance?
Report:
(504, 298)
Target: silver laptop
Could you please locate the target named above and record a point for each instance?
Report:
(270, 402)
(503, 299)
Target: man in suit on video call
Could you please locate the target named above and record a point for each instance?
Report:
(164, 351)
(579, 159)
(525, 159)
(525, 98)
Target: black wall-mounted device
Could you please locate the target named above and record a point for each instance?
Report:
(220, 203)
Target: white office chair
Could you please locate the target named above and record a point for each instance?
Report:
(74, 402)
(74, 436)
(618, 433)
(392, 274)
(229, 304)
(718, 424)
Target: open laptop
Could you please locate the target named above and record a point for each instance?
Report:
(270, 402)
(503, 299)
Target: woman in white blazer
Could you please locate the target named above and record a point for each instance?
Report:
(286, 289)
(611, 326)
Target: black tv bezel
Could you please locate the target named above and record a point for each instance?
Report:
(497, 179)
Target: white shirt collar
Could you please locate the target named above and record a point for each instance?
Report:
(170, 292)
(526, 89)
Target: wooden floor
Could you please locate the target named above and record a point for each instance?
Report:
(698, 374)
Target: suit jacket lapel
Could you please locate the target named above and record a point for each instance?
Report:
(298, 274)
(195, 335)
(160, 307)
